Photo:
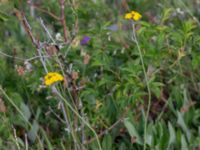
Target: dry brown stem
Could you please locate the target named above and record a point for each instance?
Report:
(62, 19)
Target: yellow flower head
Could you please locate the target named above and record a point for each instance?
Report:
(133, 15)
(52, 77)
(128, 16)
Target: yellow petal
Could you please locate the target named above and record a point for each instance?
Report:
(52, 77)
(137, 17)
(128, 16)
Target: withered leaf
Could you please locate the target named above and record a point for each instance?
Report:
(2, 106)
(52, 49)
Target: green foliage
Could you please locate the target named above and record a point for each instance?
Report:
(104, 79)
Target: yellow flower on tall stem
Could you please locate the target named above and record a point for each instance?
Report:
(133, 15)
(52, 77)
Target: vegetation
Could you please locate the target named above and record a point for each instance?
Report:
(99, 75)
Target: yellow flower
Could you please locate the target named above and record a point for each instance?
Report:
(133, 15)
(128, 16)
(52, 77)
(136, 16)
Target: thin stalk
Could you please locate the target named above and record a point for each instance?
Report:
(72, 131)
(16, 139)
(147, 84)
(77, 114)
(26, 142)
(189, 12)
(62, 19)
(65, 112)
(21, 113)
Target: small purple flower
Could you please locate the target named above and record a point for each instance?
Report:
(85, 40)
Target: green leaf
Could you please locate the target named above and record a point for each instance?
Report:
(25, 110)
(184, 145)
(182, 124)
(172, 135)
(122, 146)
(150, 134)
(195, 61)
(166, 15)
(132, 131)
(50, 146)
(33, 132)
(3, 17)
(107, 142)
(145, 24)
(156, 88)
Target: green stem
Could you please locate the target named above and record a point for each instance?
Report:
(147, 84)
(20, 112)
(85, 122)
